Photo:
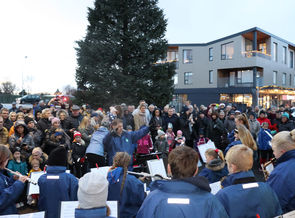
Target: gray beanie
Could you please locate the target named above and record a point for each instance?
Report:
(93, 190)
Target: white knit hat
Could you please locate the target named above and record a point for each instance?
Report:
(93, 190)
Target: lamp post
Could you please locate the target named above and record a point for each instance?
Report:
(23, 76)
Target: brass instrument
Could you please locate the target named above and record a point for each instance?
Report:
(18, 174)
(263, 166)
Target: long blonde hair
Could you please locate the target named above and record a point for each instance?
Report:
(84, 123)
(246, 137)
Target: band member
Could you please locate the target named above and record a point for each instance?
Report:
(56, 185)
(10, 189)
(241, 186)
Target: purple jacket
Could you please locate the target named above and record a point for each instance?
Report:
(144, 145)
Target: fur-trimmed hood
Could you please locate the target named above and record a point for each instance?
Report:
(215, 165)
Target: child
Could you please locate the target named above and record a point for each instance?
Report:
(241, 186)
(161, 145)
(170, 136)
(35, 167)
(145, 145)
(264, 140)
(201, 140)
(37, 153)
(215, 167)
(78, 155)
(179, 140)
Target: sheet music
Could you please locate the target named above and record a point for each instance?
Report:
(34, 189)
(269, 168)
(203, 148)
(33, 215)
(156, 167)
(102, 170)
(67, 209)
(10, 216)
(287, 215)
(215, 187)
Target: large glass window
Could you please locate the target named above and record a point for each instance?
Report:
(284, 55)
(187, 56)
(227, 51)
(262, 47)
(274, 79)
(275, 51)
(290, 80)
(245, 76)
(210, 76)
(284, 78)
(291, 59)
(188, 78)
(210, 54)
(176, 79)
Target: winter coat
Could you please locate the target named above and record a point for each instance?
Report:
(194, 194)
(51, 143)
(144, 145)
(128, 120)
(254, 127)
(184, 125)
(114, 143)
(161, 145)
(231, 145)
(264, 120)
(96, 141)
(258, 199)
(43, 124)
(4, 136)
(78, 151)
(91, 213)
(10, 190)
(229, 124)
(264, 139)
(202, 124)
(217, 131)
(20, 167)
(154, 124)
(7, 124)
(56, 186)
(140, 120)
(132, 195)
(174, 120)
(74, 122)
(282, 180)
(288, 126)
(37, 136)
(86, 134)
(214, 171)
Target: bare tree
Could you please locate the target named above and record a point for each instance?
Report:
(8, 87)
(69, 90)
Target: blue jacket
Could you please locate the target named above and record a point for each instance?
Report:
(91, 213)
(231, 145)
(125, 143)
(282, 180)
(63, 187)
(264, 139)
(132, 196)
(214, 171)
(197, 201)
(96, 142)
(10, 190)
(240, 201)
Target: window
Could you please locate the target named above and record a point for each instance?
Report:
(188, 78)
(274, 79)
(290, 80)
(291, 59)
(245, 76)
(284, 78)
(227, 51)
(210, 54)
(284, 55)
(187, 56)
(294, 80)
(210, 76)
(176, 79)
(275, 51)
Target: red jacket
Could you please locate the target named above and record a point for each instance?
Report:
(144, 145)
(265, 120)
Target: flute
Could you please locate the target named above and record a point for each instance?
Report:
(18, 174)
(148, 175)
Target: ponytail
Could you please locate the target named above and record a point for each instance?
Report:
(215, 153)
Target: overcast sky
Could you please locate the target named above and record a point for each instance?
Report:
(46, 30)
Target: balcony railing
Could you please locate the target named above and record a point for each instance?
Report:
(249, 54)
(226, 82)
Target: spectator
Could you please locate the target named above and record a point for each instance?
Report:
(171, 118)
(38, 154)
(264, 144)
(33, 131)
(254, 125)
(218, 130)
(78, 155)
(44, 123)
(3, 134)
(186, 119)
(63, 117)
(55, 137)
(13, 108)
(286, 124)
(202, 124)
(7, 123)
(74, 120)
(144, 145)
(186, 195)
(156, 123)
(262, 118)
(128, 119)
(86, 130)
(140, 118)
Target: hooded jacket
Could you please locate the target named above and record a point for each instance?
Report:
(214, 171)
(56, 186)
(132, 195)
(189, 197)
(96, 142)
(243, 197)
(91, 213)
(264, 138)
(282, 180)
(10, 190)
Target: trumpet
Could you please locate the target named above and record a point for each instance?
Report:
(18, 174)
(263, 166)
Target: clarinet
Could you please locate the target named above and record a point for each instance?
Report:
(18, 174)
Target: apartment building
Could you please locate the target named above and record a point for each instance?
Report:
(252, 67)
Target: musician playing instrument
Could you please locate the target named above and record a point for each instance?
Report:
(10, 189)
(282, 178)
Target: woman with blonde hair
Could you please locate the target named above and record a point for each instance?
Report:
(282, 178)
(124, 188)
(86, 129)
(240, 119)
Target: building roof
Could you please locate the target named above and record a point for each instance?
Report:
(232, 36)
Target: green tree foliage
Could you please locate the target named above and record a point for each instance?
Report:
(116, 59)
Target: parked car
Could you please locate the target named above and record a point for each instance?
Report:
(30, 99)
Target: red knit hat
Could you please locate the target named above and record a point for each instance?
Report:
(76, 133)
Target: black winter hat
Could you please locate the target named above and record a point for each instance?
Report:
(28, 119)
(58, 157)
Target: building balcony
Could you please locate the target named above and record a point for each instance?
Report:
(249, 54)
(227, 82)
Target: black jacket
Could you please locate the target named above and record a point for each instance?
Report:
(288, 126)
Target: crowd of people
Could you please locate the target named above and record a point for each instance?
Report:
(55, 138)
